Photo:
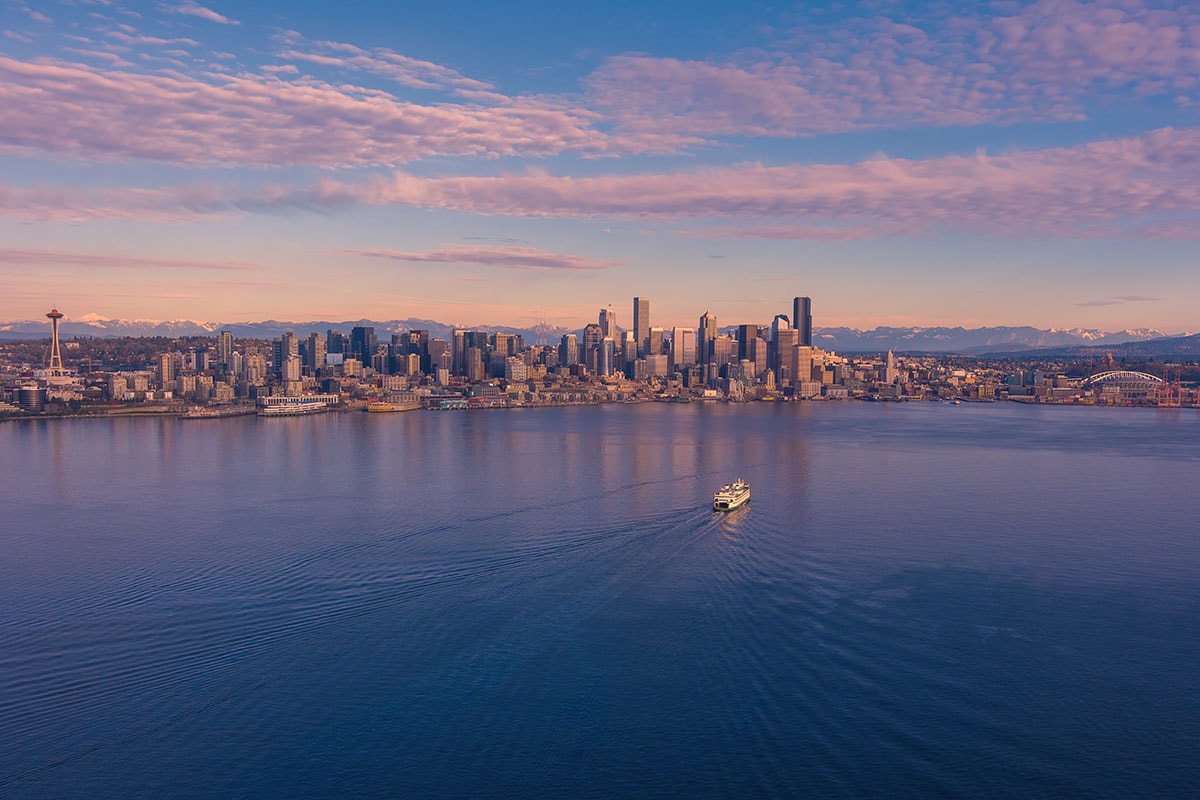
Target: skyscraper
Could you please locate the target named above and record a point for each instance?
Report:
(335, 341)
(683, 347)
(608, 323)
(641, 323)
(746, 334)
(166, 370)
(363, 343)
(654, 342)
(705, 334)
(568, 350)
(802, 319)
(591, 343)
(606, 357)
(315, 349)
(225, 350)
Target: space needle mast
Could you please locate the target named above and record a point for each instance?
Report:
(56, 366)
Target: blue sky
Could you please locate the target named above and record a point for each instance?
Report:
(928, 164)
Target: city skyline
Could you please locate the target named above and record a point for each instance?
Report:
(1026, 164)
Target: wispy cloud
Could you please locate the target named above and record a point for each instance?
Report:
(817, 233)
(1117, 301)
(1121, 188)
(511, 257)
(36, 16)
(402, 69)
(10, 256)
(196, 10)
(1090, 191)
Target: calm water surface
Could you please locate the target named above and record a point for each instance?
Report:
(921, 600)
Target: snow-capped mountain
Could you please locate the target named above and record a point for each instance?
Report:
(966, 340)
(849, 340)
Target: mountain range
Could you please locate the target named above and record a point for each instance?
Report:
(840, 339)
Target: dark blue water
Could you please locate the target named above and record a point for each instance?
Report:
(920, 601)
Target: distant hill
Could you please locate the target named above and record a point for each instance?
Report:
(1184, 348)
(843, 340)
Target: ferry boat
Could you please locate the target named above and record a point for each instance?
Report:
(279, 406)
(398, 403)
(731, 496)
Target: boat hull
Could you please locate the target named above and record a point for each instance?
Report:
(731, 496)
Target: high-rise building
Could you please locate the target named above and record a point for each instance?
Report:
(282, 349)
(568, 350)
(802, 319)
(440, 356)
(363, 343)
(746, 334)
(705, 334)
(507, 344)
(591, 343)
(290, 369)
(254, 368)
(335, 341)
(314, 352)
(801, 364)
(166, 370)
(225, 350)
(757, 354)
(608, 323)
(654, 342)
(606, 357)
(724, 350)
(641, 323)
(683, 348)
(474, 364)
(458, 351)
(779, 351)
(629, 354)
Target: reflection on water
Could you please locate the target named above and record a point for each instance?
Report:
(919, 601)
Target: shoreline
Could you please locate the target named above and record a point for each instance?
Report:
(181, 413)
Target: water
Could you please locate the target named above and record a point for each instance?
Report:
(920, 600)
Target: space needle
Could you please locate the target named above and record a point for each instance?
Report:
(56, 373)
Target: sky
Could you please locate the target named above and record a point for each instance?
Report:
(974, 164)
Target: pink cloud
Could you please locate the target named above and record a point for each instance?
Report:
(1145, 186)
(40, 258)
(72, 204)
(1084, 191)
(196, 10)
(1043, 62)
(379, 61)
(80, 111)
(510, 257)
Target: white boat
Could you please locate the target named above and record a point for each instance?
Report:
(279, 406)
(731, 495)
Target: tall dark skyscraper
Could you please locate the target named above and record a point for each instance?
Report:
(746, 335)
(802, 318)
(363, 343)
(641, 323)
(706, 333)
